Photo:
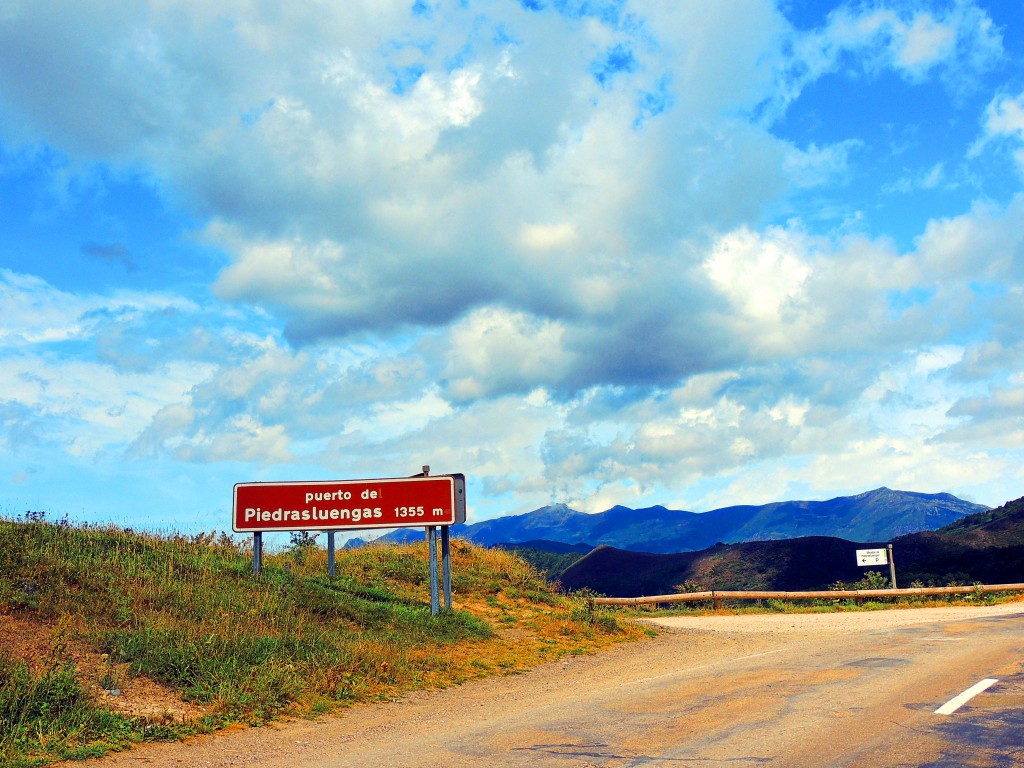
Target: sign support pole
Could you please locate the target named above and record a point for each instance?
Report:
(892, 567)
(330, 554)
(435, 603)
(446, 565)
(257, 553)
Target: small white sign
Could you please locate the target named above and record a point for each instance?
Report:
(872, 557)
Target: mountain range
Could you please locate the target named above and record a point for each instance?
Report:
(878, 515)
(986, 547)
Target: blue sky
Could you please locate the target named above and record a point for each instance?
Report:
(588, 251)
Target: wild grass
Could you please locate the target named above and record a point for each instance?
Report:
(188, 613)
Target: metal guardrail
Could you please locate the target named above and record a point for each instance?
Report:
(718, 596)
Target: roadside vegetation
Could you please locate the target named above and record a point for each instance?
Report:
(111, 637)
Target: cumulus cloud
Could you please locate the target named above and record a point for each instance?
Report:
(814, 165)
(340, 187)
(493, 350)
(763, 278)
(1005, 116)
(391, 171)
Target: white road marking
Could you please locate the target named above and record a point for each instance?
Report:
(956, 702)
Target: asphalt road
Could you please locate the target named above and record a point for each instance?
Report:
(865, 698)
(850, 690)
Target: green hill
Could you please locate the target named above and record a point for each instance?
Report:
(111, 637)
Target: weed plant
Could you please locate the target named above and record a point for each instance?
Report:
(187, 612)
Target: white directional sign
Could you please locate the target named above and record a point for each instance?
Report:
(872, 557)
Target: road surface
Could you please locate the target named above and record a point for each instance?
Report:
(798, 690)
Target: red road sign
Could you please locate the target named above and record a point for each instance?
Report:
(330, 505)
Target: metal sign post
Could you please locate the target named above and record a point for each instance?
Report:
(446, 565)
(446, 562)
(330, 554)
(892, 567)
(257, 552)
(435, 603)
(868, 557)
(445, 585)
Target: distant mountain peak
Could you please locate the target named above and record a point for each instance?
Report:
(881, 490)
(876, 515)
(873, 516)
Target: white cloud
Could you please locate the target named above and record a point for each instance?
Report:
(338, 192)
(1004, 122)
(991, 420)
(544, 237)
(981, 245)
(815, 166)
(35, 312)
(930, 178)
(1005, 116)
(956, 44)
(396, 419)
(924, 43)
(763, 278)
(493, 351)
(84, 407)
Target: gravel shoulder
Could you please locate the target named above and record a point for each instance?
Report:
(834, 623)
(420, 720)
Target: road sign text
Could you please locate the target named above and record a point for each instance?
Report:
(341, 504)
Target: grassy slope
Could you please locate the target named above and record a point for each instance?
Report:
(189, 615)
(551, 564)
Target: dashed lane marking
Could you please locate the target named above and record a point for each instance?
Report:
(956, 702)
